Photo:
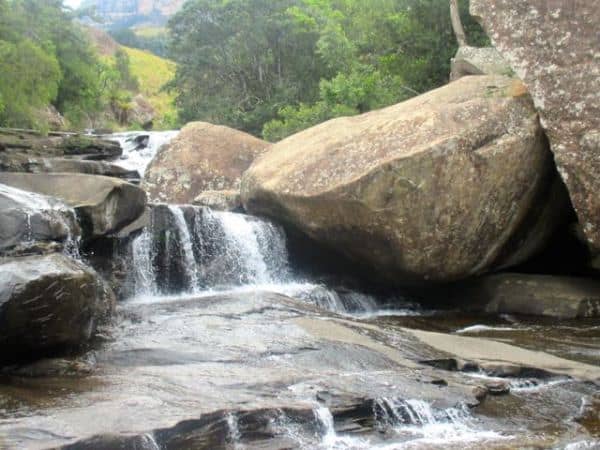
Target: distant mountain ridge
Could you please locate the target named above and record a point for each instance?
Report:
(129, 12)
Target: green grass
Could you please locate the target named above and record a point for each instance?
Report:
(149, 31)
(153, 72)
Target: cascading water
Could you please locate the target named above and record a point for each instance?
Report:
(140, 147)
(193, 250)
(185, 249)
(186, 245)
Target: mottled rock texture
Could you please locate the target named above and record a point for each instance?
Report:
(478, 61)
(455, 182)
(554, 47)
(48, 303)
(104, 205)
(203, 157)
(220, 200)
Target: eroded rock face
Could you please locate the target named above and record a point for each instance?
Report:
(554, 46)
(105, 205)
(48, 303)
(203, 157)
(455, 182)
(31, 222)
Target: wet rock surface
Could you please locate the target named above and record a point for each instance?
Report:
(456, 182)
(104, 205)
(48, 303)
(33, 223)
(267, 371)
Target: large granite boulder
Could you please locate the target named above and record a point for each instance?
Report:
(31, 222)
(453, 183)
(203, 157)
(554, 47)
(104, 205)
(48, 303)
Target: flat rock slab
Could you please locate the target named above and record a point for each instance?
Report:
(187, 371)
(539, 295)
(19, 162)
(493, 352)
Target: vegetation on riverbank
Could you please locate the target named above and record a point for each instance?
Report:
(274, 68)
(55, 76)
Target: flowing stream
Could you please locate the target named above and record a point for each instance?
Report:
(222, 345)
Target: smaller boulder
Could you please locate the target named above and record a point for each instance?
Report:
(104, 205)
(203, 157)
(527, 294)
(220, 200)
(478, 61)
(48, 303)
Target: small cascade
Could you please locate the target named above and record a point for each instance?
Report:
(139, 147)
(185, 249)
(249, 250)
(186, 245)
(234, 434)
(416, 420)
(144, 275)
(394, 413)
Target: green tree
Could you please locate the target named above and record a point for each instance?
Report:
(29, 80)
(240, 61)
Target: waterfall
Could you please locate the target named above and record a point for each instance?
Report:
(139, 147)
(185, 240)
(144, 275)
(250, 250)
(187, 248)
(193, 250)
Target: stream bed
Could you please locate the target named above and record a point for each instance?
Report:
(220, 344)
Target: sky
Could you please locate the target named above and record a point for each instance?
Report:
(72, 3)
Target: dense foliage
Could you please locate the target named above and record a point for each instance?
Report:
(46, 60)
(154, 40)
(276, 67)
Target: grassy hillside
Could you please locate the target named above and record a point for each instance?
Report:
(153, 72)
